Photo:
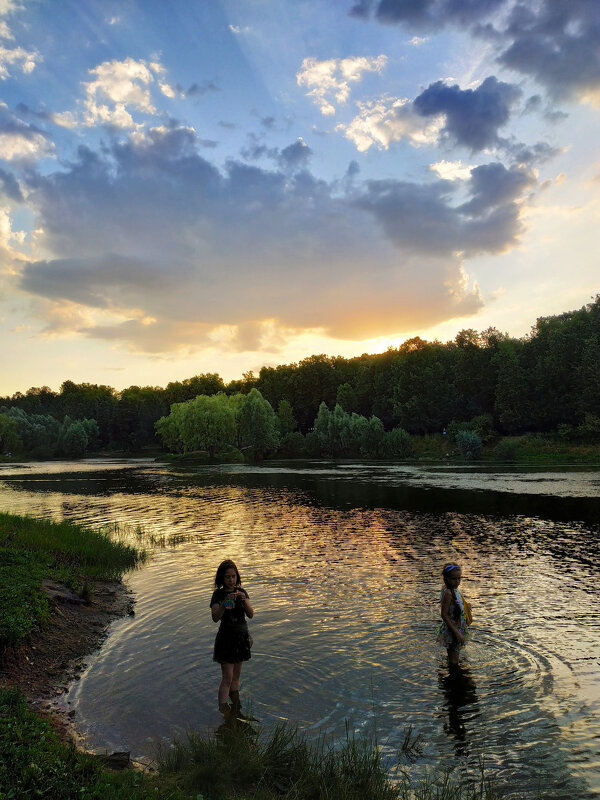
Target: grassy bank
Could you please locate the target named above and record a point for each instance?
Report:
(529, 449)
(231, 765)
(32, 550)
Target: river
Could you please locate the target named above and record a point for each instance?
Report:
(342, 563)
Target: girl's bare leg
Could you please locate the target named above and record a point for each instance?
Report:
(235, 680)
(227, 671)
(453, 657)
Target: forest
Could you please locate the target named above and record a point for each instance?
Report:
(479, 384)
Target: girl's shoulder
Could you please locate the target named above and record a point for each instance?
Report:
(217, 596)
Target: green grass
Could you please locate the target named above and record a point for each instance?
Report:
(33, 549)
(22, 605)
(535, 449)
(34, 764)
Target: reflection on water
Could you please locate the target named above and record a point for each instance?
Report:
(343, 571)
(458, 687)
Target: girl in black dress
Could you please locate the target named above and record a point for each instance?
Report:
(230, 605)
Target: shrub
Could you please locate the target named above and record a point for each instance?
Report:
(397, 444)
(469, 445)
(292, 445)
(507, 450)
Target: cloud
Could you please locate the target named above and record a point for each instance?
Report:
(9, 186)
(451, 170)
(295, 156)
(199, 89)
(20, 141)
(493, 185)
(554, 42)
(472, 116)
(384, 121)
(11, 57)
(422, 219)
(330, 80)
(119, 86)
(428, 14)
(195, 251)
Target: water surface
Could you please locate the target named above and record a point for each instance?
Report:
(342, 565)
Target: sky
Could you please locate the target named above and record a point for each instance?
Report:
(192, 186)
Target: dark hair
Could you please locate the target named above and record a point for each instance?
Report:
(222, 569)
(448, 568)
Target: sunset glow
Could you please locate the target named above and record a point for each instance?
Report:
(193, 187)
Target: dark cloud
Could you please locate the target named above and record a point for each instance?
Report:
(268, 123)
(295, 156)
(95, 281)
(493, 185)
(473, 116)
(33, 140)
(199, 89)
(422, 219)
(427, 14)
(556, 43)
(254, 152)
(9, 186)
(193, 247)
(529, 155)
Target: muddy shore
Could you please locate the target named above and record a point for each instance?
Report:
(54, 656)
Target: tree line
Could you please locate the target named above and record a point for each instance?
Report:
(548, 380)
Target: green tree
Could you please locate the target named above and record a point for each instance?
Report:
(10, 441)
(208, 423)
(74, 439)
(321, 428)
(168, 430)
(397, 444)
(347, 398)
(372, 440)
(285, 418)
(258, 425)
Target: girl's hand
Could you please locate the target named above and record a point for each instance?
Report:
(460, 638)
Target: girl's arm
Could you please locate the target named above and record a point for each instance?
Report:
(246, 603)
(217, 610)
(445, 611)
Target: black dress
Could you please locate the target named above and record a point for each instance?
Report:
(233, 641)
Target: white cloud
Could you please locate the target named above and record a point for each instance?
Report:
(25, 60)
(14, 146)
(66, 119)
(330, 80)
(117, 86)
(417, 41)
(381, 122)
(451, 170)
(168, 90)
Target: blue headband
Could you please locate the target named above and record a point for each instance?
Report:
(450, 567)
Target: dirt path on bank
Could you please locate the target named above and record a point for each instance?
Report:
(54, 656)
